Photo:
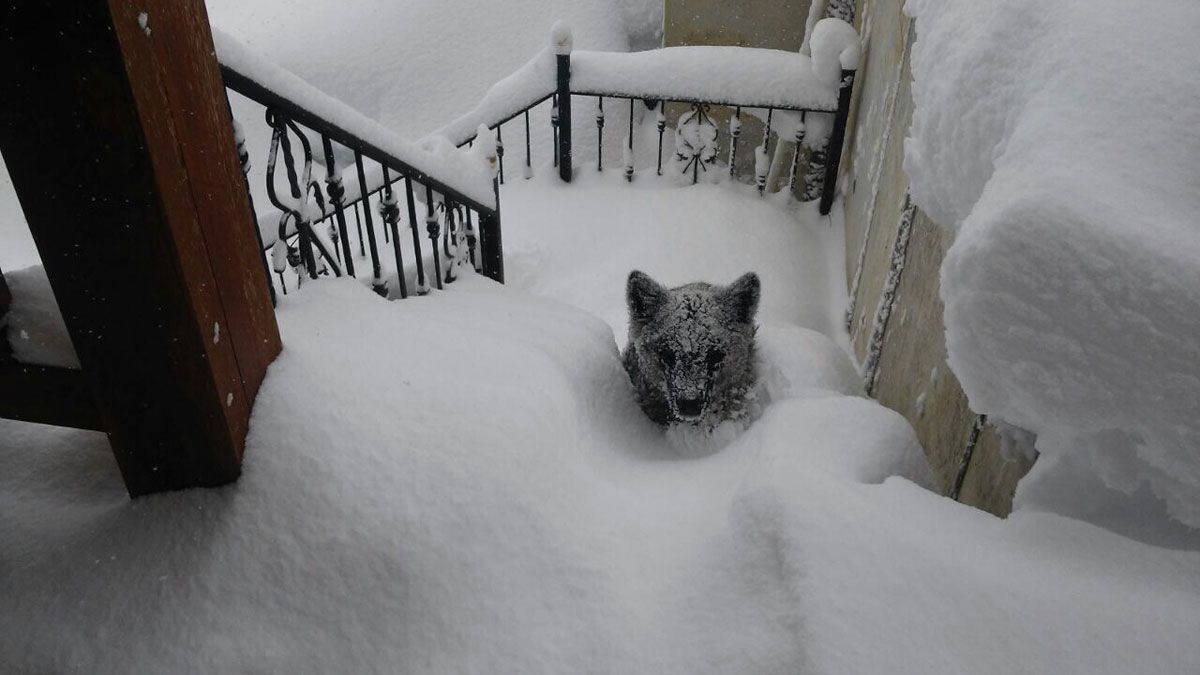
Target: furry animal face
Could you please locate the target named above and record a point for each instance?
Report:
(691, 353)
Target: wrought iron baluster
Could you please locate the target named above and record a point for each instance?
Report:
(304, 224)
(500, 152)
(362, 244)
(528, 149)
(450, 234)
(422, 287)
(800, 128)
(762, 157)
(735, 131)
(306, 254)
(661, 123)
(243, 154)
(599, 133)
(337, 196)
(376, 269)
(629, 147)
(331, 231)
(554, 127)
(280, 142)
(472, 241)
(389, 210)
(767, 129)
(432, 228)
(381, 207)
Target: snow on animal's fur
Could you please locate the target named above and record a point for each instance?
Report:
(691, 353)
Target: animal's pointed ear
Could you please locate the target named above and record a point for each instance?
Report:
(741, 297)
(644, 296)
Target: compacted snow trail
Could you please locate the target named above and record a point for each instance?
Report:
(462, 484)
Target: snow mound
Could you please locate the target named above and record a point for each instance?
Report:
(408, 499)
(35, 328)
(1060, 140)
(456, 490)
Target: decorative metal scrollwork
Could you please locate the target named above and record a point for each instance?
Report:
(306, 201)
(695, 141)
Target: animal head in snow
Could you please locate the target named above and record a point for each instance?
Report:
(691, 353)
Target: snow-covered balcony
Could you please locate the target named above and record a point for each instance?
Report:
(444, 473)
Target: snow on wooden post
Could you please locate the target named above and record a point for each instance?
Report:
(560, 36)
(117, 135)
(849, 62)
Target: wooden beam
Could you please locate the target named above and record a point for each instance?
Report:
(117, 135)
(5, 303)
(47, 395)
(5, 295)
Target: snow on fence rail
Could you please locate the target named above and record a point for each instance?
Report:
(745, 76)
(458, 189)
(763, 80)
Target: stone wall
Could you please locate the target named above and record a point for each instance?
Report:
(893, 261)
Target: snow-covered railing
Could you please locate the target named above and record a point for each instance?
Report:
(458, 190)
(814, 90)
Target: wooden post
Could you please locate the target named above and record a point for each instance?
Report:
(117, 135)
(5, 303)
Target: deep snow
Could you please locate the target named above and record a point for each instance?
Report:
(462, 483)
(1059, 143)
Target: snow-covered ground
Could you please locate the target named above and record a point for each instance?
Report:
(462, 483)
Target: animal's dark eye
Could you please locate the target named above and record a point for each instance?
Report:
(667, 357)
(715, 358)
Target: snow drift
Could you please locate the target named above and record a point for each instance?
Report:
(462, 483)
(1060, 141)
(467, 486)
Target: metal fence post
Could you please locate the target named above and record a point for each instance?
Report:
(561, 37)
(837, 138)
(490, 245)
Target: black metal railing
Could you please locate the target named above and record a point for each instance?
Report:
(311, 233)
(813, 166)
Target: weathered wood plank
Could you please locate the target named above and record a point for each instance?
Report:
(47, 395)
(118, 140)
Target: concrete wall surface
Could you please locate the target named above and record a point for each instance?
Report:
(893, 251)
(766, 24)
(893, 265)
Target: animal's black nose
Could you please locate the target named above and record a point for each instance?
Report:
(690, 407)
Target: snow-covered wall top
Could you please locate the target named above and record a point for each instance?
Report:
(752, 77)
(1060, 140)
(462, 171)
(758, 78)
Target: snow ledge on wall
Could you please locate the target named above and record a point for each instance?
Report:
(1059, 142)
